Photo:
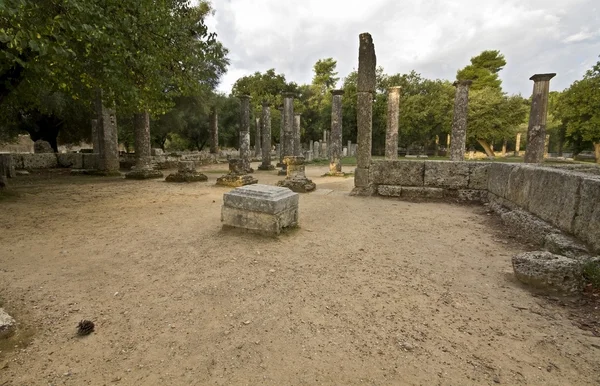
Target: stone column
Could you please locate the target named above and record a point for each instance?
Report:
(108, 160)
(316, 150)
(214, 131)
(280, 164)
(367, 62)
(245, 133)
(288, 128)
(266, 138)
(391, 132)
(296, 133)
(518, 145)
(257, 138)
(536, 131)
(95, 136)
(335, 157)
(143, 160)
(459, 121)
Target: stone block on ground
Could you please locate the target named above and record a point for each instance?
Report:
(472, 195)
(564, 245)
(389, 190)
(404, 173)
(586, 225)
(478, 175)
(298, 185)
(412, 192)
(70, 160)
(499, 174)
(145, 174)
(525, 225)
(7, 324)
(547, 271)
(443, 174)
(90, 161)
(39, 161)
(260, 208)
(186, 172)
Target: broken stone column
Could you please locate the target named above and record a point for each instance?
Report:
(214, 131)
(367, 62)
(237, 175)
(391, 132)
(108, 160)
(143, 168)
(335, 153)
(296, 134)
(186, 173)
(280, 164)
(536, 131)
(257, 139)
(316, 150)
(518, 145)
(266, 138)
(459, 120)
(245, 133)
(295, 179)
(95, 136)
(288, 128)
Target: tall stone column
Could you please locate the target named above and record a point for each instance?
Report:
(547, 146)
(518, 145)
(536, 131)
(459, 121)
(281, 139)
(108, 160)
(257, 139)
(266, 138)
(245, 133)
(391, 132)
(288, 128)
(95, 136)
(296, 134)
(143, 161)
(367, 62)
(214, 131)
(335, 157)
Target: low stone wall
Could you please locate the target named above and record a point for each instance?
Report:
(566, 199)
(171, 161)
(542, 199)
(466, 181)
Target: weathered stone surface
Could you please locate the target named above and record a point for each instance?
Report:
(295, 177)
(367, 63)
(7, 166)
(459, 120)
(40, 147)
(536, 131)
(564, 245)
(90, 161)
(7, 324)
(108, 160)
(404, 173)
(157, 152)
(525, 225)
(586, 224)
(391, 132)
(143, 174)
(472, 195)
(452, 175)
(364, 120)
(389, 190)
(235, 181)
(70, 160)
(412, 192)
(39, 161)
(518, 185)
(266, 138)
(548, 271)
(296, 136)
(478, 176)
(335, 154)
(245, 133)
(214, 131)
(258, 138)
(498, 178)
(260, 208)
(186, 172)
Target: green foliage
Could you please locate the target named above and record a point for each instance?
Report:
(483, 70)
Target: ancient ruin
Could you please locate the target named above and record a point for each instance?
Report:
(335, 157)
(237, 175)
(459, 120)
(296, 178)
(143, 168)
(186, 172)
(391, 133)
(108, 161)
(245, 134)
(266, 138)
(262, 209)
(214, 131)
(288, 129)
(536, 131)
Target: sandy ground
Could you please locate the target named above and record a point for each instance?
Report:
(368, 291)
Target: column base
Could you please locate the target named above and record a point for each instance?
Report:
(143, 174)
(187, 177)
(363, 191)
(298, 185)
(337, 174)
(236, 180)
(266, 167)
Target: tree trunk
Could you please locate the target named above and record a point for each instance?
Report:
(504, 148)
(597, 151)
(488, 150)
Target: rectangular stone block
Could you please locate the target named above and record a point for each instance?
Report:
(90, 161)
(444, 174)
(389, 190)
(478, 175)
(498, 174)
(70, 160)
(422, 192)
(586, 225)
(519, 184)
(17, 160)
(260, 208)
(553, 196)
(39, 161)
(362, 177)
(404, 173)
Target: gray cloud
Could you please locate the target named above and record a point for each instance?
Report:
(434, 38)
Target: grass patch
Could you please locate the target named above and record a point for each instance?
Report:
(591, 273)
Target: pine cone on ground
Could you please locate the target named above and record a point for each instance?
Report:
(85, 327)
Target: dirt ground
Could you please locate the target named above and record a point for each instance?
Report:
(368, 291)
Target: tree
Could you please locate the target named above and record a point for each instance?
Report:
(579, 109)
(483, 70)
(143, 53)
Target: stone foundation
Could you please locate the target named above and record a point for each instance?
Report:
(236, 176)
(187, 173)
(296, 179)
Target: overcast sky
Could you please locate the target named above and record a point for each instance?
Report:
(435, 38)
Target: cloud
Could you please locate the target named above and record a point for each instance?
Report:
(434, 38)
